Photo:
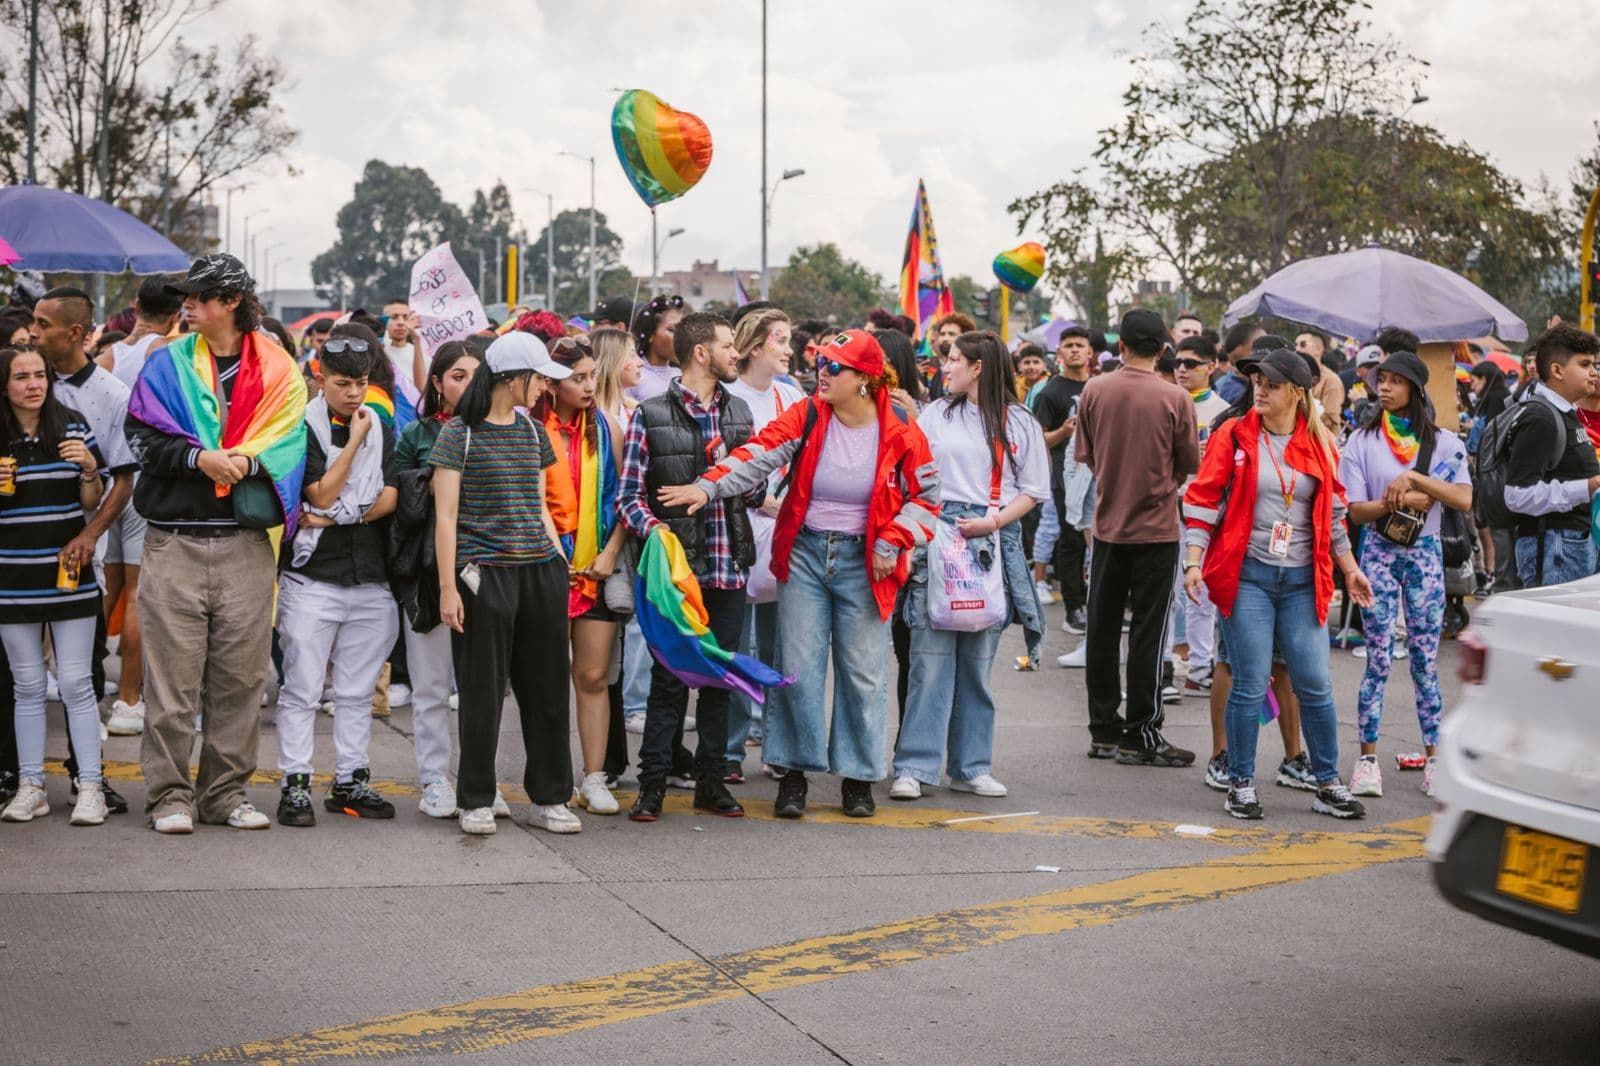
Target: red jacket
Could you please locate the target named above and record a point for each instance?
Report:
(1222, 498)
(900, 513)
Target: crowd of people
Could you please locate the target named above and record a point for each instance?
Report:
(442, 529)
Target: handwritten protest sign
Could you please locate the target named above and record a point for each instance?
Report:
(447, 307)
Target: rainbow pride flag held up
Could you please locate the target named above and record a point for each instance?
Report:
(1269, 708)
(923, 294)
(674, 621)
(176, 394)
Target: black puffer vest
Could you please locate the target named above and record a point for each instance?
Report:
(678, 455)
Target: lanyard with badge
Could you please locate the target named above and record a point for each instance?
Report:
(1282, 531)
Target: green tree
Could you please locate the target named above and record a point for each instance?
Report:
(819, 282)
(572, 261)
(394, 215)
(961, 289)
(490, 215)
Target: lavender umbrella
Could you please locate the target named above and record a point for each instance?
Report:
(1356, 294)
(52, 229)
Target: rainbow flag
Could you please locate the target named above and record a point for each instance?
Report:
(673, 618)
(740, 296)
(176, 394)
(1269, 707)
(923, 294)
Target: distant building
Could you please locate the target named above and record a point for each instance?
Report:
(706, 283)
(291, 305)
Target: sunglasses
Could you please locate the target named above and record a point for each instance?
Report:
(562, 345)
(831, 367)
(345, 344)
(1193, 364)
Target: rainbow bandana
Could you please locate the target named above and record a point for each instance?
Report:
(176, 394)
(1200, 396)
(674, 620)
(1402, 441)
(596, 477)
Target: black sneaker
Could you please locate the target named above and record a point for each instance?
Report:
(714, 798)
(1099, 750)
(1242, 803)
(856, 798)
(115, 802)
(734, 775)
(1336, 802)
(1076, 622)
(8, 786)
(295, 808)
(1217, 771)
(358, 798)
(1296, 773)
(791, 802)
(1161, 754)
(647, 807)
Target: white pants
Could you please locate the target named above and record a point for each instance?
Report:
(432, 673)
(73, 640)
(1045, 537)
(636, 664)
(353, 627)
(1200, 621)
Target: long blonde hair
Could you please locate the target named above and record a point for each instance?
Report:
(1320, 434)
(612, 347)
(754, 329)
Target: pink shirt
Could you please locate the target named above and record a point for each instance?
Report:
(842, 487)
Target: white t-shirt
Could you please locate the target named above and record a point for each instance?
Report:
(653, 381)
(767, 404)
(128, 359)
(400, 359)
(966, 457)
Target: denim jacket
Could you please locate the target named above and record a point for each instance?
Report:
(1021, 600)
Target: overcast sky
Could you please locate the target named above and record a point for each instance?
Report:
(986, 101)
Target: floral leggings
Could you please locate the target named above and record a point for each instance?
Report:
(1411, 579)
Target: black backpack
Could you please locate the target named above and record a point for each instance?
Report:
(1494, 456)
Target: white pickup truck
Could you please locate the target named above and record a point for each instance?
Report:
(1517, 837)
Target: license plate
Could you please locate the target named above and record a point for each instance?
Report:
(1542, 869)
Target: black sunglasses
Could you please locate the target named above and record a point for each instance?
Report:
(1193, 364)
(832, 367)
(345, 344)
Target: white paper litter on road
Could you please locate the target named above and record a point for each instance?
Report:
(988, 817)
(1193, 830)
(1047, 869)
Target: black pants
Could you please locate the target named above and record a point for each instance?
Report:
(516, 630)
(616, 731)
(1137, 577)
(1070, 550)
(669, 702)
(900, 635)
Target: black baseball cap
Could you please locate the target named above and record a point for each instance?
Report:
(1263, 344)
(1282, 365)
(218, 270)
(1142, 328)
(1407, 365)
(616, 309)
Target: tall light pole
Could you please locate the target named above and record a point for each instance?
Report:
(594, 277)
(227, 214)
(254, 242)
(549, 247)
(266, 257)
(655, 256)
(245, 241)
(766, 220)
(33, 83)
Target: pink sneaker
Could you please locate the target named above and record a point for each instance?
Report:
(1366, 779)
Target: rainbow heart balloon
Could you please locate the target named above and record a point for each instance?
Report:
(663, 151)
(1020, 269)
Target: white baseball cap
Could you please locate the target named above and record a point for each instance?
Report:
(1369, 355)
(518, 351)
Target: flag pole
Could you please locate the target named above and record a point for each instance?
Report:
(1005, 314)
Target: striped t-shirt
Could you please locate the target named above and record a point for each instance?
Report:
(36, 522)
(499, 521)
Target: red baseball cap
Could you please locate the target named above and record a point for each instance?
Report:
(856, 349)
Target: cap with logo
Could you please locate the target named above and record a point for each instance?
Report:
(856, 349)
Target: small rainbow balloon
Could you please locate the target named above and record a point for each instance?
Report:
(1020, 268)
(663, 151)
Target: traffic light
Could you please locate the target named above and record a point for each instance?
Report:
(982, 305)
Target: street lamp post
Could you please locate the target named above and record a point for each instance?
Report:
(766, 220)
(655, 256)
(594, 278)
(245, 241)
(227, 214)
(266, 259)
(549, 247)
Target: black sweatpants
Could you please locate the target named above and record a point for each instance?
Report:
(669, 702)
(516, 630)
(1138, 577)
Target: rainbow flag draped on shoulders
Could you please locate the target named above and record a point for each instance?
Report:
(673, 617)
(924, 296)
(597, 507)
(176, 394)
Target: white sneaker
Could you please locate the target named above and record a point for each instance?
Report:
(126, 720)
(1366, 779)
(245, 816)
(1076, 659)
(1046, 594)
(1427, 775)
(29, 803)
(595, 796)
(982, 785)
(478, 822)
(1359, 651)
(689, 723)
(110, 688)
(633, 723)
(455, 701)
(399, 695)
(438, 800)
(905, 787)
(174, 823)
(52, 691)
(555, 818)
(91, 806)
(327, 706)
(1399, 652)
(501, 808)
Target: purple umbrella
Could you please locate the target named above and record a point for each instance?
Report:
(1356, 294)
(52, 229)
(1049, 335)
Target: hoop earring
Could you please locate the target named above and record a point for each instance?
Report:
(862, 389)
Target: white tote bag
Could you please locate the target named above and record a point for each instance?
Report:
(761, 586)
(963, 597)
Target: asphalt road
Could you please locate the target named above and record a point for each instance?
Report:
(1085, 928)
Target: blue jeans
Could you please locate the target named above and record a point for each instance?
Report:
(1278, 604)
(827, 603)
(1569, 554)
(760, 639)
(948, 702)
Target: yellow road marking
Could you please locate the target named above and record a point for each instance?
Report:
(889, 816)
(574, 1006)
